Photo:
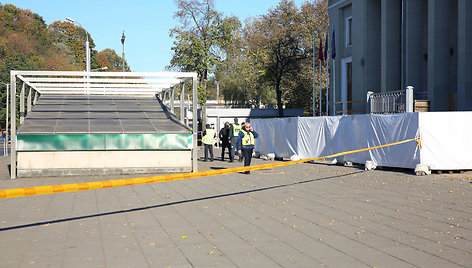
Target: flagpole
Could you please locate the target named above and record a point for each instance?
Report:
(327, 88)
(333, 57)
(320, 89)
(334, 87)
(326, 57)
(314, 70)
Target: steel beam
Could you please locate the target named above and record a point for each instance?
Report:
(22, 103)
(13, 124)
(182, 100)
(195, 126)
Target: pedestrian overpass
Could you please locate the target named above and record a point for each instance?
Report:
(89, 123)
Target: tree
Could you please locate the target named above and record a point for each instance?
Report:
(241, 74)
(281, 33)
(74, 37)
(27, 43)
(199, 41)
(109, 58)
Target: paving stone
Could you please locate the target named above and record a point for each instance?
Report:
(304, 215)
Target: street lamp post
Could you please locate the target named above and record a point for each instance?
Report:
(6, 125)
(87, 44)
(123, 37)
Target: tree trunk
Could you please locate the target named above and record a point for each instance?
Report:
(279, 98)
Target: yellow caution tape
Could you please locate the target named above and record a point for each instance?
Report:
(52, 189)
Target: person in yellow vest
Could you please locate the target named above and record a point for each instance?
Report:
(234, 130)
(245, 144)
(208, 140)
(241, 156)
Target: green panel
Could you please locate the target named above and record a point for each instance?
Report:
(73, 142)
(190, 141)
(172, 140)
(100, 142)
(124, 142)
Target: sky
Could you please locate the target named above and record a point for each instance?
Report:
(146, 23)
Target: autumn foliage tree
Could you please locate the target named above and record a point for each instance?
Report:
(241, 73)
(74, 37)
(108, 58)
(281, 34)
(269, 60)
(25, 44)
(28, 43)
(199, 41)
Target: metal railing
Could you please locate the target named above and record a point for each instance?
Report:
(390, 102)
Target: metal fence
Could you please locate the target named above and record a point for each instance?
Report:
(401, 101)
(387, 103)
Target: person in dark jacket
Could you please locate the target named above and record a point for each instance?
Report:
(224, 137)
(246, 142)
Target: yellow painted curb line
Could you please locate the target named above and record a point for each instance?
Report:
(52, 189)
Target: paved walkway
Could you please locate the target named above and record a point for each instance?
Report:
(305, 215)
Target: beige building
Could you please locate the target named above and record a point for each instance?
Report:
(387, 45)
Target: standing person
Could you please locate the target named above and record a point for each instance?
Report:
(224, 137)
(241, 156)
(208, 140)
(246, 141)
(234, 130)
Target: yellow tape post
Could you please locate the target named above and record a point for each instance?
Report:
(52, 189)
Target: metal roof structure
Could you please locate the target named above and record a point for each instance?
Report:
(109, 102)
(102, 83)
(92, 114)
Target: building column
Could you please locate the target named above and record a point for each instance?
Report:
(414, 44)
(372, 47)
(464, 54)
(438, 54)
(365, 49)
(390, 40)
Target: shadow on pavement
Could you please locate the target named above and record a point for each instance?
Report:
(174, 203)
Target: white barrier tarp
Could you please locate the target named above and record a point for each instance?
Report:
(446, 139)
(310, 137)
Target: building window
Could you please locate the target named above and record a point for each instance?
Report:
(348, 31)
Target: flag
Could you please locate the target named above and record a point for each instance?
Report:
(320, 51)
(333, 47)
(326, 47)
